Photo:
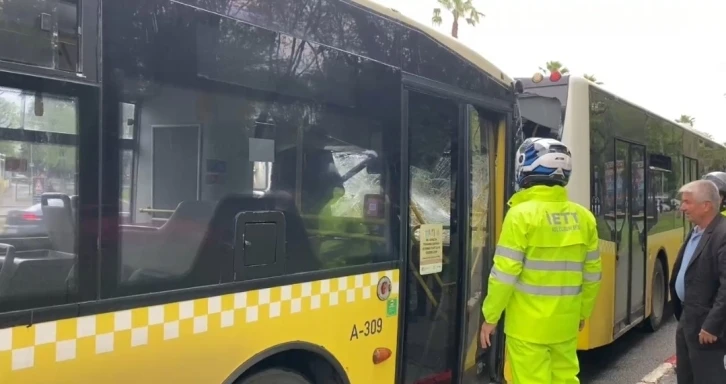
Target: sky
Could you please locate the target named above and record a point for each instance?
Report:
(668, 56)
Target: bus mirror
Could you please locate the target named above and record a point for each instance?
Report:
(518, 87)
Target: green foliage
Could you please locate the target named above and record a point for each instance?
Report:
(686, 119)
(554, 66)
(18, 111)
(458, 9)
(592, 78)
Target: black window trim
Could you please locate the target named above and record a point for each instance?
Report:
(88, 51)
(86, 142)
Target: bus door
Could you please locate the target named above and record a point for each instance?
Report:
(449, 250)
(630, 235)
(176, 162)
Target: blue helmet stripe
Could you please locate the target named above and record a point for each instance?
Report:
(542, 170)
(530, 155)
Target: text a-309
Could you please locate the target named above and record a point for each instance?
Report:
(368, 328)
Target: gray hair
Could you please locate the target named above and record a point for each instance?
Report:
(703, 191)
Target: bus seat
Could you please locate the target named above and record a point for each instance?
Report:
(21, 273)
(60, 222)
(220, 239)
(169, 251)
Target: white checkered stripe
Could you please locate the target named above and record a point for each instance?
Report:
(58, 341)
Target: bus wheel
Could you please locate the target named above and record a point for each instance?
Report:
(275, 376)
(657, 298)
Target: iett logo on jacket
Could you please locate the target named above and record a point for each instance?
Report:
(563, 221)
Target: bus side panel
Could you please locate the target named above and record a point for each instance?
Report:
(598, 329)
(670, 242)
(206, 340)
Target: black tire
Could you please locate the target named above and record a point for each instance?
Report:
(275, 376)
(658, 298)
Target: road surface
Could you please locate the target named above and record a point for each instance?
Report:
(670, 379)
(630, 358)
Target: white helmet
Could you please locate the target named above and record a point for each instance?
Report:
(542, 161)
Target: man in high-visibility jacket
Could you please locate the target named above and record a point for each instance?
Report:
(719, 178)
(546, 272)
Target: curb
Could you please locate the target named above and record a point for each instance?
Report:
(659, 373)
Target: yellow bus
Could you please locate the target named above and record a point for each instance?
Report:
(629, 164)
(249, 192)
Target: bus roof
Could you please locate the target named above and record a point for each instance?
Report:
(452, 44)
(528, 83)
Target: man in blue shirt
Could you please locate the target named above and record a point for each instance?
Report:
(698, 288)
(696, 235)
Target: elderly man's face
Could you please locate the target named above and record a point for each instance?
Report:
(695, 210)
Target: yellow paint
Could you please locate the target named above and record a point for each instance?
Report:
(206, 340)
(599, 328)
(500, 182)
(670, 242)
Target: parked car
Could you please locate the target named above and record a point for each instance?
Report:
(28, 221)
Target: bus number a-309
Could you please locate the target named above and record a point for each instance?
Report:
(369, 328)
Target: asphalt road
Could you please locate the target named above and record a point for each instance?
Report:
(629, 358)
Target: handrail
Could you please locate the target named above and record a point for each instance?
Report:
(152, 210)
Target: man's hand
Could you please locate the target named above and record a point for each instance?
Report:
(582, 324)
(706, 338)
(486, 331)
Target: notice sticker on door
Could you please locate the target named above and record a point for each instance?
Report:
(431, 248)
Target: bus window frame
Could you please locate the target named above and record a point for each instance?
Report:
(88, 52)
(87, 145)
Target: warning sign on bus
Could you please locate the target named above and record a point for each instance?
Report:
(431, 249)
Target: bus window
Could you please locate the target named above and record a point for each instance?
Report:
(43, 33)
(127, 125)
(210, 141)
(481, 129)
(38, 197)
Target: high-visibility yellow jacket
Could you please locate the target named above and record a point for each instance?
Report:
(723, 213)
(547, 267)
(336, 249)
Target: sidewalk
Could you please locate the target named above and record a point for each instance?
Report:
(664, 374)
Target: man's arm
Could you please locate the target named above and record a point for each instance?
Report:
(508, 263)
(716, 319)
(592, 271)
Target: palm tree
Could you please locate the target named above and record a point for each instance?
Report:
(459, 9)
(685, 119)
(592, 78)
(554, 66)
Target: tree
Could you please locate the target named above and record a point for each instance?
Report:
(10, 112)
(592, 78)
(685, 119)
(554, 66)
(458, 9)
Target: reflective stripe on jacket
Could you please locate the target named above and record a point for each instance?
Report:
(547, 267)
